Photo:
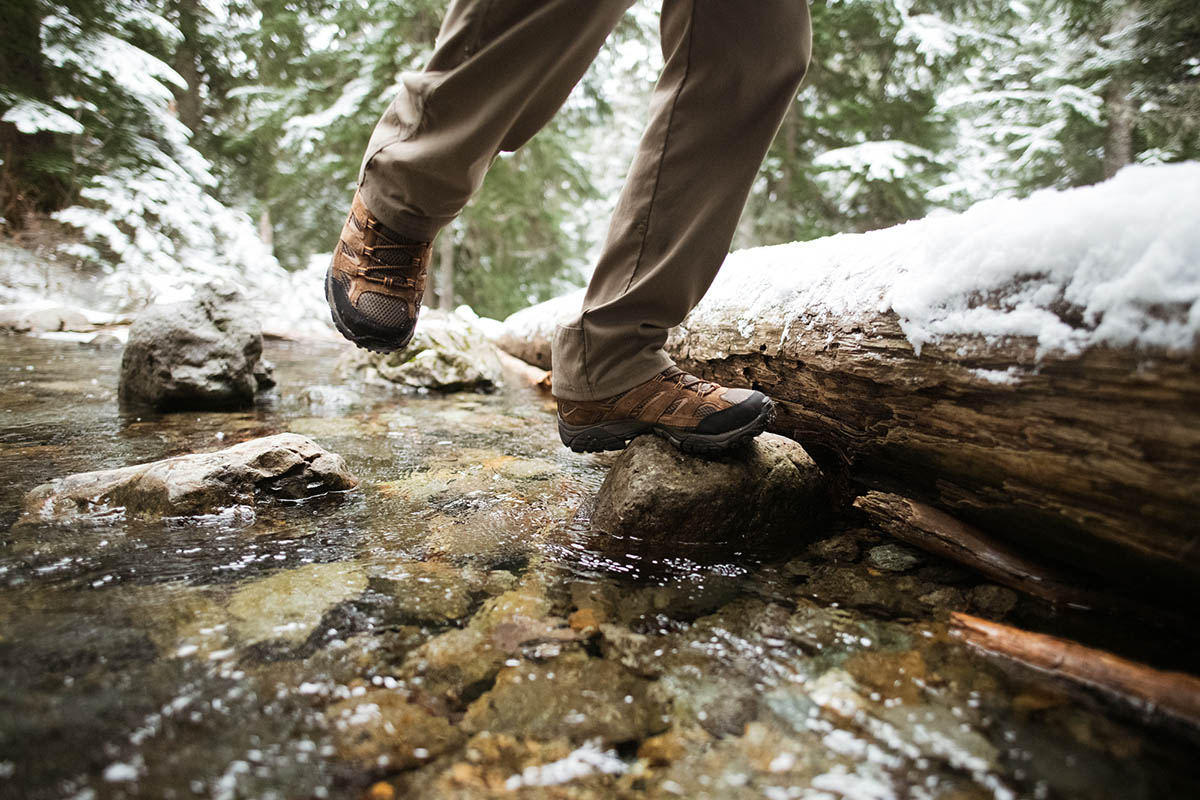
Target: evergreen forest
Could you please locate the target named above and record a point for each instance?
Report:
(171, 134)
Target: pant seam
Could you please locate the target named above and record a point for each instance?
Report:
(687, 69)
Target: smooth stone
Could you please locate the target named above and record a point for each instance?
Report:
(422, 591)
(573, 696)
(892, 558)
(447, 353)
(448, 664)
(284, 465)
(843, 547)
(202, 353)
(382, 730)
(288, 606)
(991, 599)
(655, 492)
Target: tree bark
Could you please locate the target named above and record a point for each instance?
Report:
(187, 63)
(1091, 461)
(24, 189)
(1119, 105)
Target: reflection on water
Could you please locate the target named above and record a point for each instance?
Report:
(451, 629)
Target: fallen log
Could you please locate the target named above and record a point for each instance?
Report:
(1175, 694)
(1042, 388)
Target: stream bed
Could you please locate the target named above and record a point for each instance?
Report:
(451, 629)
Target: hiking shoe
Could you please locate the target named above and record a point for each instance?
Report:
(375, 282)
(696, 416)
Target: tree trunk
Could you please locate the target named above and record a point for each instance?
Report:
(266, 230)
(25, 189)
(445, 270)
(187, 64)
(1119, 107)
(1118, 137)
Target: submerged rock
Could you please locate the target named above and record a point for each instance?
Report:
(284, 465)
(574, 697)
(655, 492)
(448, 353)
(288, 606)
(202, 353)
(423, 591)
(382, 730)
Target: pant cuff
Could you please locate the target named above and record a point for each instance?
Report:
(410, 226)
(572, 380)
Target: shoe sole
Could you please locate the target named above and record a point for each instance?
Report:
(605, 436)
(363, 342)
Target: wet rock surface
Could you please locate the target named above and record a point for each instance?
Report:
(448, 353)
(202, 353)
(285, 465)
(288, 606)
(448, 631)
(653, 491)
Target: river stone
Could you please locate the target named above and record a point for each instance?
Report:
(892, 558)
(447, 665)
(423, 591)
(284, 465)
(202, 353)
(448, 353)
(655, 492)
(575, 697)
(288, 606)
(381, 730)
(994, 600)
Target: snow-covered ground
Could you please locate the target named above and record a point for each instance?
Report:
(290, 304)
(1117, 263)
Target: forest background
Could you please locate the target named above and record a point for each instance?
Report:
(181, 135)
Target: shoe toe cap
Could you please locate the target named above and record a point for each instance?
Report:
(748, 406)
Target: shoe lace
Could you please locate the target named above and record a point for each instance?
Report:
(392, 275)
(689, 382)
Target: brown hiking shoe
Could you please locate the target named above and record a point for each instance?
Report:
(696, 416)
(375, 282)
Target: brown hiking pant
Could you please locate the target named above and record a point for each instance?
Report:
(502, 68)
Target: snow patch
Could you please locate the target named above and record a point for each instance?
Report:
(1116, 264)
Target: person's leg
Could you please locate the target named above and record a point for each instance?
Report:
(732, 71)
(499, 72)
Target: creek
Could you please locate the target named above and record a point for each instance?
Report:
(452, 629)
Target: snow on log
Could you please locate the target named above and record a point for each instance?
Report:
(1029, 366)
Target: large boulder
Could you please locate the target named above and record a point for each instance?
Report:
(656, 493)
(202, 353)
(285, 465)
(448, 353)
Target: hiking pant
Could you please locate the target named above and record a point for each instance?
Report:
(499, 72)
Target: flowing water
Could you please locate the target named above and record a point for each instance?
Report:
(449, 629)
